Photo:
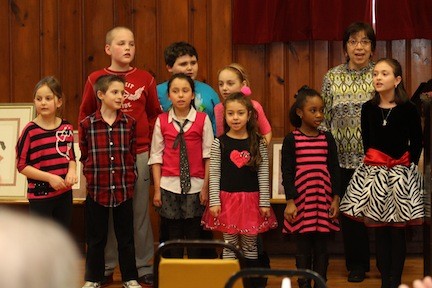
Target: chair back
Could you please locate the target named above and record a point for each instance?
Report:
(265, 272)
(195, 273)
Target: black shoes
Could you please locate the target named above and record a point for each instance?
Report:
(146, 280)
(107, 280)
(356, 275)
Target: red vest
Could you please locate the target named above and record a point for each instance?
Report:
(193, 139)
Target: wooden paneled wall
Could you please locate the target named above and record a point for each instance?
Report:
(66, 38)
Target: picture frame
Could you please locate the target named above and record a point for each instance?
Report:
(13, 118)
(275, 160)
(79, 190)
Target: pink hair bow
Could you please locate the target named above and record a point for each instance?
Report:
(246, 90)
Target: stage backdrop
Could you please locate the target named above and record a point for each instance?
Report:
(65, 38)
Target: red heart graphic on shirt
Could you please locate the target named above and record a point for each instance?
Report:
(240, 159)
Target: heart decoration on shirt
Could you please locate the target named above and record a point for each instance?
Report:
(240, 158)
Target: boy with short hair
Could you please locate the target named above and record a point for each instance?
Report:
(108, 154)
(140, 102)
(182, 57)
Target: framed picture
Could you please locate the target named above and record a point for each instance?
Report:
(79, 189)
(275, 157)
(13, 118)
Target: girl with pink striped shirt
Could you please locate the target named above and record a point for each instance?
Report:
(311, 179)
(45, 155)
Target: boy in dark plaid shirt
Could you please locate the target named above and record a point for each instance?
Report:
(108, 153)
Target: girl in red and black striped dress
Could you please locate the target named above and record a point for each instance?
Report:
(311, 179)
(45, 155)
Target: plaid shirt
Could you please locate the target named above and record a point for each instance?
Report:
(108, 153)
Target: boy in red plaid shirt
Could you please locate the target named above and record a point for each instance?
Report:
(108, 153)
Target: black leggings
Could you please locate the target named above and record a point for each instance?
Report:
(355, 234)
(390, 254)
(311, 252)
(189, 228)
(59, 208)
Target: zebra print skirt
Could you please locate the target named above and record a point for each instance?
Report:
(380, 196)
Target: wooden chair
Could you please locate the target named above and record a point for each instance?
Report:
(265, 272)
(195, 273)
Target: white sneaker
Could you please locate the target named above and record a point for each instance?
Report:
(89, 284)
(131, 284)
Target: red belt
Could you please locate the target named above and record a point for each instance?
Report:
(377, 158)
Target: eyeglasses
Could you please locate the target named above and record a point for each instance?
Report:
(363, 42)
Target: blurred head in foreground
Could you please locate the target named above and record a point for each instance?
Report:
(36, 253)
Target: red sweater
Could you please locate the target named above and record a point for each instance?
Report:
(141, 102)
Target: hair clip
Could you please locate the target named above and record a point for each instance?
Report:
(246, 90)
(304, 87)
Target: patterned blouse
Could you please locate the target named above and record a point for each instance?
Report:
(344, 91)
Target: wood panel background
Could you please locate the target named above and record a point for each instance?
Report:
(65, 38)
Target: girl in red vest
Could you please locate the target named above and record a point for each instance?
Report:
(180, 152)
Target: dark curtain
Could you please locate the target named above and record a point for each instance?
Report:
(330, 18)
(403, 19)
(262, 21)
(265, 21)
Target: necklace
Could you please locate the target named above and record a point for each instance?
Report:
(384, 123)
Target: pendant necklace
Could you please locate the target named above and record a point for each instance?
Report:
(384, 123)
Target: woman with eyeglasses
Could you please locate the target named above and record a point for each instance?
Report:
(345, 88)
